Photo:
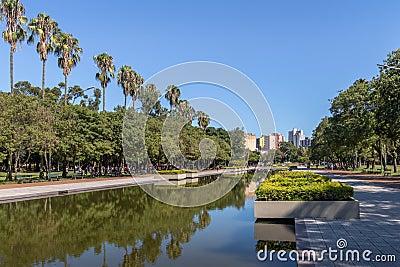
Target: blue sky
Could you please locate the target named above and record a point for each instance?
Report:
(299, 53)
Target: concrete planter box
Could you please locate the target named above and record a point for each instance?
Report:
(192, 175)
(307, 209)
(173, 177)
(192, 180)
(170, 183)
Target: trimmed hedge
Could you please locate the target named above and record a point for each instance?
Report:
(297, 186)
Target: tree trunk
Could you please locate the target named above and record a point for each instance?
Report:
(384, 157)
(125, 101)
(394, 157)
(65, 89)
(9, 169)
(43, 77)
(16, 163)
(11, 71)
(64, 167)
(46, 164)
(104, 98)
(41, 175)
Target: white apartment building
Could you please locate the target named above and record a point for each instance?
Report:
(296, 136)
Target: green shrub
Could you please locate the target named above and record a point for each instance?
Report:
(296, 186)
(171, 172)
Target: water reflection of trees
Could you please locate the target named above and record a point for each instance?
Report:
(46, 230)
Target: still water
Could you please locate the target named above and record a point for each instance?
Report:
(126, 227)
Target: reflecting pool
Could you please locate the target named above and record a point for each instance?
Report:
(126, 227)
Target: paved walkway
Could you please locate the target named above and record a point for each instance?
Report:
(56, 189)
(20, 192)
(378, 229)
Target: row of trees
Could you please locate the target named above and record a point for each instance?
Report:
(364, 125)
(49, 39)
(45, 135)
(287, 152)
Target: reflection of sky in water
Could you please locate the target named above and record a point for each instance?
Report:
(227, 241)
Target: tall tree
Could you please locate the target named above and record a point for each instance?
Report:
(46, 29)
(186, 110)
(387, 106)
(68, 51)
(172, 95)
(137, 83)
(130, 81)
(105, 63)
(14, 13)
(203, 120)
(149, 96)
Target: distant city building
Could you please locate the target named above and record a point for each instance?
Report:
(296, 136)
(279, 138)
(260, 143)
(251, 141)
(306, 142)
(270, 142)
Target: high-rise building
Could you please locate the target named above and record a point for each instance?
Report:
(306, 142)
(251, 141)
(296, 136)
(270, 142)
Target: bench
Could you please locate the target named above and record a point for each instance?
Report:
(22, 178)
(387, 173)
(51, 176)
(77, 175)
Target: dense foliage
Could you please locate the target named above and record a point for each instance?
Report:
(47, 129)
(364, 123)
(37, 135)
(296, 186)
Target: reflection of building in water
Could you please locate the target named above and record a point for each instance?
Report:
(250, 191)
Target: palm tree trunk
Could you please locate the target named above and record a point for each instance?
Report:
(125, 101)
(104, 98)
(65, 89)
(11, 71)
(43, 77)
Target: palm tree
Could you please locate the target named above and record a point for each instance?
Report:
(46, 29)
(186, 110)
(105, 63)
(66, 47)
(172, 95)
(203, 120)
(130, 81)
(138, 82)
(14, 13)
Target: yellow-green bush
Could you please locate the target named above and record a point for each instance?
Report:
(296, 186)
